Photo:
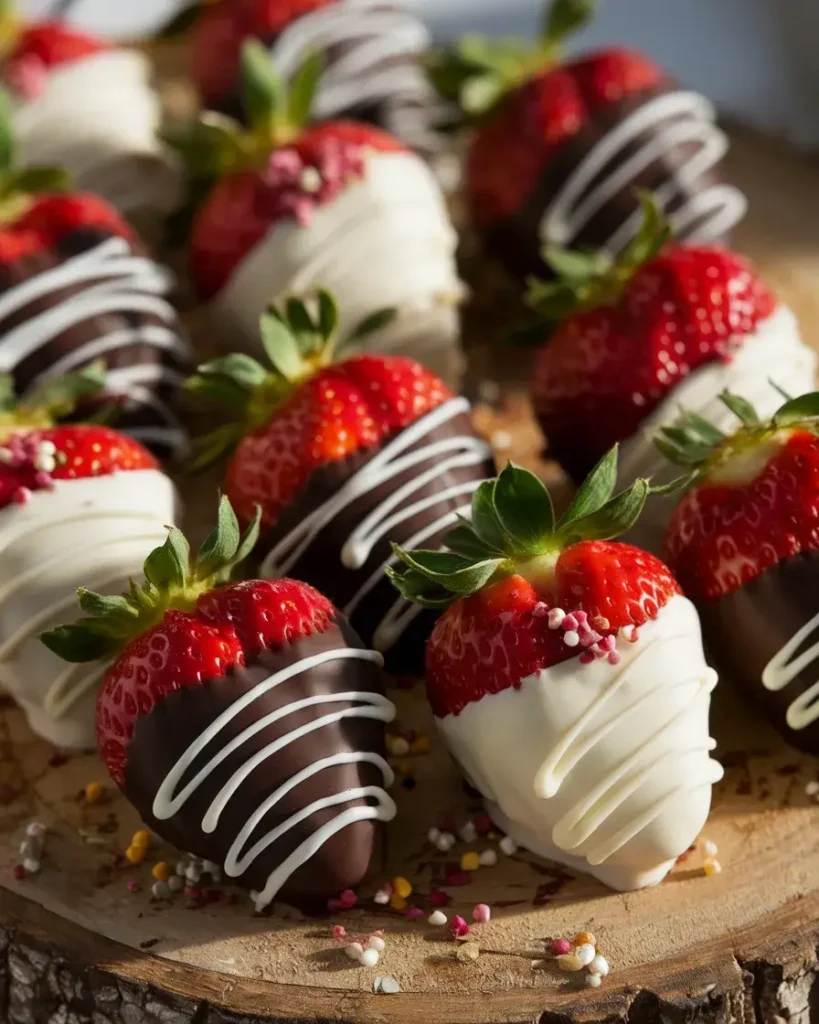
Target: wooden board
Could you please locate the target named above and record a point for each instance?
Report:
(77, 946)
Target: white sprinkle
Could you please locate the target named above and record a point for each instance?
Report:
(627, 633)
(446, 841)
(381, 897)
(193, 874)
(387, 986)
(812, 788)
(508, 846)
(310, 180)
(437, 918)
(468, 832)
(45, 463)
(6, 456)
(354, 950)
(556, 617)
(501, 440)
(32, 866)
(176, 883)
(35, 829)
(399, 747)
(181, 868)
(594, 980)
(599, 965)
(377, 943)
(710, 848)
(434, 834)
(369, 958)
(488, 858)
(210, 868)
(160, 890)
(585, 953)
(571, 638)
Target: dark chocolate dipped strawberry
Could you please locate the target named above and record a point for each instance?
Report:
(559, 147)
(244, 721)
(77, 285)
(78, 502)
(286, 208)
(374, 60)
(666, 325)
(744, 545)
(345, 458)
(567, 676)
(87, 105)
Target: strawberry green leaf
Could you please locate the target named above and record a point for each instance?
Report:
(572, 265)
(208, 148)
(741, 408)
(282, 345)
(8, 396)
(654, 233)
(80, 642)
(564, 18)
(167, 566)
(376, 321)
(302, 90)
(524, 508)
(327, 314)
(465, 542)
(684, 457)
(701, 429)
(6, 136)
(481, 94)
(34, 181)
(298, 319)
(414, 586)
(220, 546)
(59, 396)
(116, 608)
(450, 571)
(264, 95)
(249, 539)
(595, 490)
(485, 520)
(615, 518)
(241, 371)
(798, 410)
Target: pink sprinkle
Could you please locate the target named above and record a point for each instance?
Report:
(481, 914)
(27, 76)
(191, 892)
(286, 163)
(132, 886)
(541, 610)
(570, 622)
(413, 913)
(21, 496)
(458, 878)
(582, 618)
(587, 657)
(588, 637)
(334, 905)
(613, 658)
(560, 946)
(348, 899)
(438, 898)
(19, 872)
(482, 823)
(458, 927)
(607, 644)
(44, 480)
(339, 931)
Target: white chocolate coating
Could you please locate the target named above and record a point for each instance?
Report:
(386, 241)
(786, 665)
(98, 117)
(433, 460)
(604, 768)
(113, 280)
(170, 798)
(773, 352)
(93, 532)
(659, 125)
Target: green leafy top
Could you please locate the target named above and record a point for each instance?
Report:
(513, 530)
(701, 450)
(18, 184)
(297, 343)
(478, 73)
(51, 401)
(172, 581)
(588, 280)
(276, 112)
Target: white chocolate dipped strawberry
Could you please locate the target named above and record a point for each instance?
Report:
(341, 206)
(78, 502)
(89, 106)
(567, 677)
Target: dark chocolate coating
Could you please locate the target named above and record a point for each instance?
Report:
(162, 736)
(516, 239)
(126, 416)
(745, 629)
(321, 565)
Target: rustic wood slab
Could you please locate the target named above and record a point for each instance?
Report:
(742, 945)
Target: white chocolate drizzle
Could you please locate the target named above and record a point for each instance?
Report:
(391, 461)
(113, 280)
(170, 799)
(781, 671)
(671, 120)
(384, 50)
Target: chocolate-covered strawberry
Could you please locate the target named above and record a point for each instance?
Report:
(744, 545)
(76, 284)
(89, 106)
(665, 326)
(345, 458)
(340, 205)
(78, 502)
(374, 53)
(244, 721)
(567, 676)
(559, 147)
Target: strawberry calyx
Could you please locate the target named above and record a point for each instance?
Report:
(705, 453)
(19, 185)
(11, 27)
(478, 73)
(586, 281)
(297, 343)
(51, 401)
(514, 532)
(173, 582)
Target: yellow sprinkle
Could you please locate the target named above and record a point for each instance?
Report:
(401, 887)
(405, 767)
(585, 939)
(470, 861)
(161, 871)
(141, 839)
(93, 791)
(712, 867)
(135, 854)
(398, 902)
(420, 745)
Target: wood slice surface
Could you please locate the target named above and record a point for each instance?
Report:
(78, 946)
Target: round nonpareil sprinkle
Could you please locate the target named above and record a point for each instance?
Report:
(161, 871)
(458, 927)
(160, 891)
(445, 842)
(488, 858)
(413, 913)
(594, 980)
(559, 947)
(354, 950)
(585, 953)
(398, 902)
(93, 792)
(401, 887)
(481, 914)
(570, 962)
(585, 939)
(434, 834)
(339, 931)
(142, 839)
(599, 965)
(508, 846)
(348, 899)
(468, 832)
(369, 958)
(135, 854)
(712, 867)
(709, 848)
(470, 861)
(382, 897)
(376, 942)
(437, 918)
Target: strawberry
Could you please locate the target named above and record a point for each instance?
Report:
(565, 668)
(559, 146)
(743, 541)
(44, 46)
(632, 331)
(306, 445)
(257, 672)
